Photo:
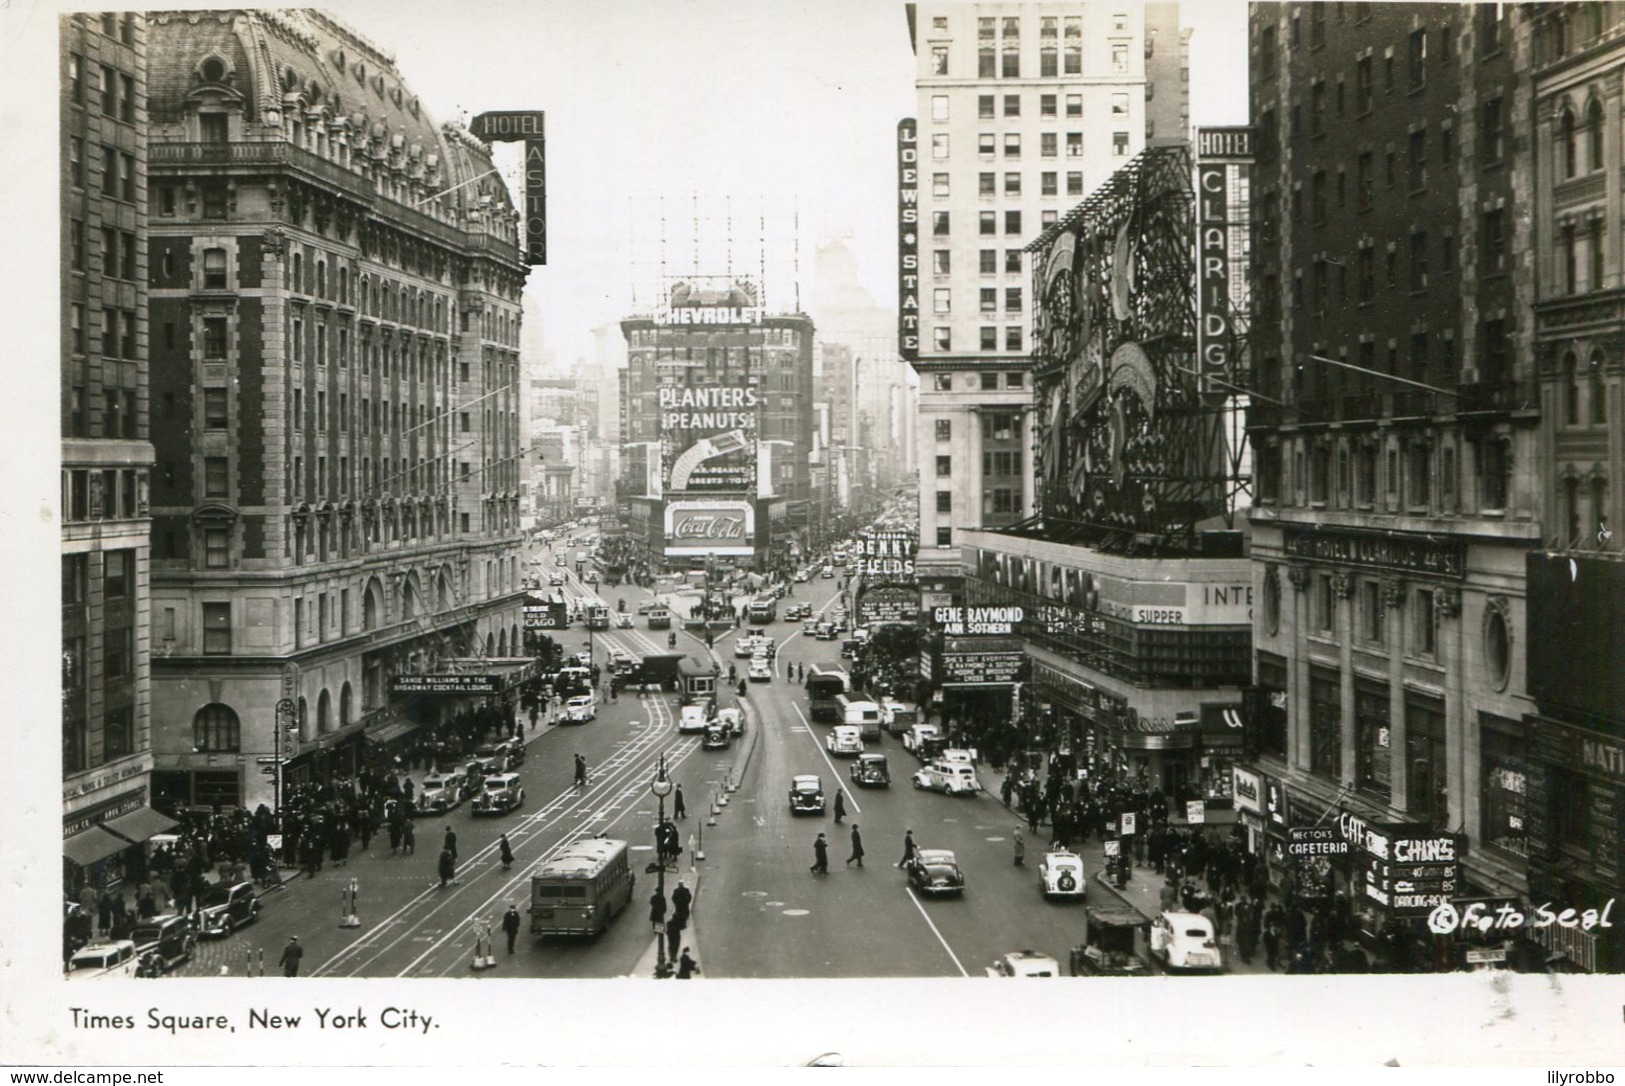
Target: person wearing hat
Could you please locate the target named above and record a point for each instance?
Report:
(908, 848)
(290, 957)
(857, 847)
(510, 924)
(821, 856)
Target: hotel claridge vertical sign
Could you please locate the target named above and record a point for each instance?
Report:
(527, 126)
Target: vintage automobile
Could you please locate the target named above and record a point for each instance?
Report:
(1115, 938)
(494, 756)
(760, 670)
(112, 958)
(1060, 875)
(580, 709)
(693, 718)
(501, 794)
(170, 937)
(806, 794)
(732, 718)
(1024, 963)
(845, 740)
(824, 631)
(801, 576)
(716, 737)
(810, 626)
(440, 792)
(949, 778)
(849, 648)
(954, 754)
(514, 751)
(744, 647)
(935, 871)
(828, 573)
(1184, 942)
(623, 622)
(916, 735)
(871, 771)
(592, 576)
(226, 907)
(555, 578)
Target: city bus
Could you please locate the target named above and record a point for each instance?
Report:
(596, 613)
(825, 686)
(764, 609)
(581, 888)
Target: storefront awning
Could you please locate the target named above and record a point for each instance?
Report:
(388, 733)
(87, 846)
(140, 824)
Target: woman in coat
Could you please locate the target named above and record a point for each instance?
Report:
(506, 853)
(447, 867)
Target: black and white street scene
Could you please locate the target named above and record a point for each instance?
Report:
(925, 490)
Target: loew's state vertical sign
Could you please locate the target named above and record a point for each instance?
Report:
(908, 241)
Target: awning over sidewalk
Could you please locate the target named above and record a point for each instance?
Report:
(140, 824)
(89, 845)
(388, 733)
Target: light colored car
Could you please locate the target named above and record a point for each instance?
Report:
(744, 647)
(806, 794)
(1060, 874)
(733, 719)
(623, 621)
(646, 606)
(556, 579)
(827, 573)
(949, 778)
(440, 792)
(1024, 963)
(845, 740)
(810, 626)
(113, 958)
(1185, 942)
(957, 755)
(692, 718)
(760, 670)
(801, 576)
(502, 793)
(580, 709)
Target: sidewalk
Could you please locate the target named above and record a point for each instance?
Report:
(650, 961)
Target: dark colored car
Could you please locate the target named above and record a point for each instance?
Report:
(935, 871)
(227, 907)
(871, 771)
(716, 738)
(170, 937)
(806, 794)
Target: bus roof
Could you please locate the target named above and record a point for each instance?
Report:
(582, 859)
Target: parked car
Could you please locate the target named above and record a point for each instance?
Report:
(580, 709)
(918, 733)
(716, 737)
(1184, 942)
(440, 792)
(935, 871)
(693, 718)
(849, 648)
(806, 794)
(109, 958)
(227, 906)
(170, 936)
(845, 740)
(760, 670)
(871, 771)
(1061, 875)
(953, 754)
(949, 778)
(1024, 963)
(733, 719)
(501, 794)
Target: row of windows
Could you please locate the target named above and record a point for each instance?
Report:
(942, 340)
(987, 222)
(941, 299)
(987, 262)
(987, 183)
(118, 331)
(118, 577)
(1049, 145)
(1410, 475)
(105, 86)
(102, 494)
(1048, 106)
(988, 382)
(1002, 58)
(1003, 463)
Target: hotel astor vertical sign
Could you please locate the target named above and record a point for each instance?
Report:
(528, 126)
(908, 241)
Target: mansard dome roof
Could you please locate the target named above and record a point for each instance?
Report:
(276, 60)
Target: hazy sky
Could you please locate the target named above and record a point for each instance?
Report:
(787, 109)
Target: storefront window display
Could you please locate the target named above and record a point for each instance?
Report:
(1371, 738)
(1426, 796)
(1503, 786)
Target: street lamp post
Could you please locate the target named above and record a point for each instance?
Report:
(661, 786)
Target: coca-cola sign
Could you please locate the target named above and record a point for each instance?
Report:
(710, 527)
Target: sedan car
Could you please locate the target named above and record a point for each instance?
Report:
(580, 709)
(827, 573)
(733, 719)
(716, 737)
(1060, 875)
(760, 670)
(170, 937)
(871, 771)
(744, 647)
(1024, 963)
(112, 958)
(801, 576)
(810, 626)
(623, 621)
(935, 871)
(227, 907)
(1184, 942)
(501, 794)
(845, 740)
(646, 606)
(806, 794)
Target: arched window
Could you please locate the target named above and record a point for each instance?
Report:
(321, 278)
(1571, 390)
(298, 284)
(1599, 392)
(1568, 139)
(324, 713)
(1594, 135)
(502, 644)
(304, 717)
(215, 729)
(372, 605)
(344, 286)
(346, 708)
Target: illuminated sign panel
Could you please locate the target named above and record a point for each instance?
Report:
(708, 438)
(529, 126)
(710, 527)
(908, 241)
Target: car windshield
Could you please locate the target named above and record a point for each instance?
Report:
(218, 894)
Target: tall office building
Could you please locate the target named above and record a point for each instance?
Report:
(1023, 109)
(335, 312)
(106, 454)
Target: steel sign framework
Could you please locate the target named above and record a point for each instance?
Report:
(1130, 452)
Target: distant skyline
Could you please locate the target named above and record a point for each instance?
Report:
(790, 108)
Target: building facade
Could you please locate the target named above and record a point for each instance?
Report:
(1397, 429)
(1023, 108)
(335, 314)
(718, 430)
(106, 452)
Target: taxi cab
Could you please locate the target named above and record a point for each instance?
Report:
(1060, 875)
(502, 793)
(1024, 963)
(1184, 942)
(845, 740)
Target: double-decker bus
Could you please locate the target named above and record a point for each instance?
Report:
(595, 612)
(825, 686)
(764, 609)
